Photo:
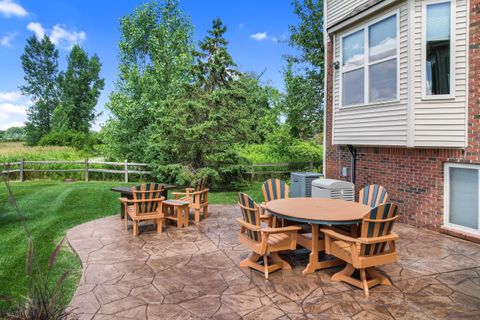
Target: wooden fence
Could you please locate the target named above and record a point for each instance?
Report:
(86, 166)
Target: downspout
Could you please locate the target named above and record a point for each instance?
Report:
(353, 153)
(325, 91)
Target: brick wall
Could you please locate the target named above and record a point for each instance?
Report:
(413, 177)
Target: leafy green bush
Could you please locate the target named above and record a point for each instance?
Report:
(294, 151)
(78, 140)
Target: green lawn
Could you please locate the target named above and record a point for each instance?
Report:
(51, 208)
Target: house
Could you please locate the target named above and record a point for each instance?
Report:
(403, 105)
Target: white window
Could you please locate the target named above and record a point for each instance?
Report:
(369, 70)
(462, 197)
(437, 49)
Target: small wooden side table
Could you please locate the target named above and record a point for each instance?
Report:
(176, 210)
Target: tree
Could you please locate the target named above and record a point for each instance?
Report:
(202, 127)
(40, 66)
(80, 87)
(155, 64)
(304, 75)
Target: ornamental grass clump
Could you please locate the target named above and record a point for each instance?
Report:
(43, 301)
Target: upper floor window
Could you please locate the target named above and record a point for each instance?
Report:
(437, 48)
(369, 63)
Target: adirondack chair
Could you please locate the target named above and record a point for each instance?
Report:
(373, 195)
(197, 197)
(272, 189)
(263, 241)
(374, 247)
(145, 205)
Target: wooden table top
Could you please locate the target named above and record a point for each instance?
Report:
(318, 210)
(127, 190)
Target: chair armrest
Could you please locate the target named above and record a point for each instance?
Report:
(124, 200)
(180, 193)
(338, 236)
(189, 189)
(265, 217)
(391, 237)
(248, 225)
(282, 230)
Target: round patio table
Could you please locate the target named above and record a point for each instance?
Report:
(316, 212)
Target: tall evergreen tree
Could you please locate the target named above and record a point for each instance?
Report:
(40, 66)
(202, 127)
(304, 75)
(80, 87)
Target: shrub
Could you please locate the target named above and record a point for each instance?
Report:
(78, 140)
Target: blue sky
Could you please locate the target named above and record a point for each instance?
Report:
(257, 31)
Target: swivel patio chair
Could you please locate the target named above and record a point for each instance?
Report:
(272, 189)
(374, 247)
(197, 197)
(263, 241)
(145, 205)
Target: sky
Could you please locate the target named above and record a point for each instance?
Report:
(257, 32)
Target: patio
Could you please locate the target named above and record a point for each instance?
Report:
(193, 273)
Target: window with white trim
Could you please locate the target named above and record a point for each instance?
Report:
(437, 46)
(369, 71)
(462, 197)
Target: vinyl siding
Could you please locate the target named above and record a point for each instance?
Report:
(442, 123)
(411, 121)
(339, 9)
(381, 124)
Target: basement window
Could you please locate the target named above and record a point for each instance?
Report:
(462, 197)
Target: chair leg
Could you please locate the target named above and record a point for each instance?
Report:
(363, 278)
(375, 275)
(265, 265)
(205, 212)
(159, 223)
(252, 259)
(346, 272)
(197, 216)
(280, 262)
(126, 221)
(179, 214)
(135, 228)
(185, 216)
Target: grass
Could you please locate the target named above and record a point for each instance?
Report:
(51, 208)
(15, 151)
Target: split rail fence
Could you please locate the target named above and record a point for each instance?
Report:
(87, 166)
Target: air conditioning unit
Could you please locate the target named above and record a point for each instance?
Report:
(333, 189)
(301, 183)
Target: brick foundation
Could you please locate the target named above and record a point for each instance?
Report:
(413, 177)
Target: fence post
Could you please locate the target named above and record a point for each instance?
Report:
(126, 171)
(22, 165)
(86, 169)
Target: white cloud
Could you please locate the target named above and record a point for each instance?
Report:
(241, 25)
(13, 108)
(9, 8)
(60, 35)
(11, 96)
(259, 36)
(5, 126)
(7, 39)
(37, 28)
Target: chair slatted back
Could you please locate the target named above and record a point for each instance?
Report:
(373, 195)
(145, 192)
(199, 185)
(378, 222)
(250, 214)
(274, 189)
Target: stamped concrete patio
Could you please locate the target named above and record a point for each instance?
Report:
(193, 273)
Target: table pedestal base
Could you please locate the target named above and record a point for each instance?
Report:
(315, 246)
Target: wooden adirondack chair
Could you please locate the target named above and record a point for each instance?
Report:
(197, 197)
(272, 189)
(263, 241)
(374, 247)
(145, 205)
(373, 195)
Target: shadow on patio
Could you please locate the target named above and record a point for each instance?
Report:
(193, 273)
